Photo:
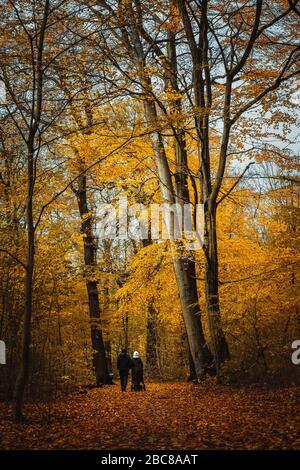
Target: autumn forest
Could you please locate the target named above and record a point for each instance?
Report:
(187, 109)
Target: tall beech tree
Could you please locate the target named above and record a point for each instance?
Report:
(127, 31)
(209, 55)
(226, 40)
(35, 40)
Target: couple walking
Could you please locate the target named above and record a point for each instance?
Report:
(124, 364)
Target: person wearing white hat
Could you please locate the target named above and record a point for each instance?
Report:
(137, 371)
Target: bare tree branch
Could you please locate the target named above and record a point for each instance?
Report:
(235, 183)
(3, 250)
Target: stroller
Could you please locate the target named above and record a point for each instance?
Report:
(138, 387)
(137, 375)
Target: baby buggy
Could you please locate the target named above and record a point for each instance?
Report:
(138, 386)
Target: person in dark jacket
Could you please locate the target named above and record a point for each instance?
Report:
(137, 371)
(124, 365)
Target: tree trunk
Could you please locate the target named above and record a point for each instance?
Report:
(108, 355)
(186, 284)
(219, 344)
(192, 375)
(152, 339)
(188, 294)
(182, 198)
(99, 357)
(126, 331)
(184, 268)
(22, 378)
(202, 85)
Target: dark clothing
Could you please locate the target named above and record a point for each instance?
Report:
(137, 372)
(123, 381)
(124, 365)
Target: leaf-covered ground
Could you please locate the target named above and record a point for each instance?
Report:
(166, 416)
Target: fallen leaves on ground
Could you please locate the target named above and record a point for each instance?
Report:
(166, 416)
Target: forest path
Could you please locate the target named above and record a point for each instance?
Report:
(166, 416)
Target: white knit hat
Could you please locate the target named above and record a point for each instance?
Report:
(136, 355)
